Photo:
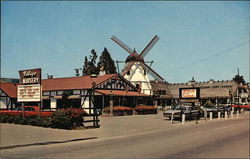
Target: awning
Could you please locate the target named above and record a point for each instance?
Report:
(57, 97)
(74, 97)
(45, 97)
(121, 93)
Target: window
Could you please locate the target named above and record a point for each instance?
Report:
(128, 73)
(137, 86)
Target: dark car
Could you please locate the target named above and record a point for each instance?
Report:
(212, 109)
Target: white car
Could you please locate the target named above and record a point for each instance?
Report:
(189, 111)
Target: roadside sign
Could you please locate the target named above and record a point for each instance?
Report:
(29, 93)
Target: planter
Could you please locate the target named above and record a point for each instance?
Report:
(118, 113)
(143, 110)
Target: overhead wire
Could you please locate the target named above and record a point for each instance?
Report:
(210, 57)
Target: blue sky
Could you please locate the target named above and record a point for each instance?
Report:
(207, 40)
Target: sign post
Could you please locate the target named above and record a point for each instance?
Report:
(29, 89)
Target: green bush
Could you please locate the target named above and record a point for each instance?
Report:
(70, 118)
(6, 118)
(64, 119)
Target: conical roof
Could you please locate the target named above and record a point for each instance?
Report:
(134, 57)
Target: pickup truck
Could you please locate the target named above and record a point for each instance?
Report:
(28, 111)
(189, 111)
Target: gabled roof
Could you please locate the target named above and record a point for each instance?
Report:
(70, 83)
(9, 88)
(121, 93)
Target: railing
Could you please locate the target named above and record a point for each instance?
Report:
(91, 121)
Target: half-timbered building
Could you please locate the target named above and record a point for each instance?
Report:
(84, 92)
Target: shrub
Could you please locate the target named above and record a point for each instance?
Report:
(68, 118)
(6, 118)
(145, 110)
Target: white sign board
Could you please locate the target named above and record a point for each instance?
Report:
(29, 93)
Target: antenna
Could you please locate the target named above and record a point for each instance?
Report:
(49, 76)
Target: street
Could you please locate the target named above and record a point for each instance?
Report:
(127, 137)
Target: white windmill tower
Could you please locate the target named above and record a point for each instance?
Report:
(136, 70)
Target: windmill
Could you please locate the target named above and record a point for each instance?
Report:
(136, 69)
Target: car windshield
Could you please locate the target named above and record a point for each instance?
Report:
(18, 109)
(179, 108)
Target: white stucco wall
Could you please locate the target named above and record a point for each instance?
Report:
(137, 77)
(53, 103)
(85, 105)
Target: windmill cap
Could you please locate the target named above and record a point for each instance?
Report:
(134, 57)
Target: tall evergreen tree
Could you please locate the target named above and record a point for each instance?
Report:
(89, 65)
(106, 62)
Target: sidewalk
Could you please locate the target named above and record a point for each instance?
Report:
(24, 135)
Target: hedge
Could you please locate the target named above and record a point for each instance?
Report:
(70, 118)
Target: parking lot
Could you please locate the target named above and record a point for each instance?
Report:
(111, 126)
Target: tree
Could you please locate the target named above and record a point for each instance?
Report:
(106, 62)
(239, 79)
(89, 65)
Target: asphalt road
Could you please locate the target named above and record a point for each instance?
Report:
(216, 139)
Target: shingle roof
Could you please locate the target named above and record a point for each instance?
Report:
(161, 86)
(207, 89)
(9, 88)
(121, 93)
(69, 83)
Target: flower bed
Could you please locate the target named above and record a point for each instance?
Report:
(142, 110)
(119, 110)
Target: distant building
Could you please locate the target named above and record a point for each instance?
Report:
(9, 80)
(216, 92)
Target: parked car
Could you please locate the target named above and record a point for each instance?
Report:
(210, 108)
(28, 111)
(239, 107)
(224, 109)
(189, 111)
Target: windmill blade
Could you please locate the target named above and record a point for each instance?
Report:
(127, 67)
(123, 45)
(149, 46)
(152, 72)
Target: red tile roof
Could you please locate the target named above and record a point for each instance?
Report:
(9, 88)
(120, 93)
(69, 83)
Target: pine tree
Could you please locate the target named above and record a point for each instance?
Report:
(106, 62)
(89, 66)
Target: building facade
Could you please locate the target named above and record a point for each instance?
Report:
(216, 92)
(82, 92)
